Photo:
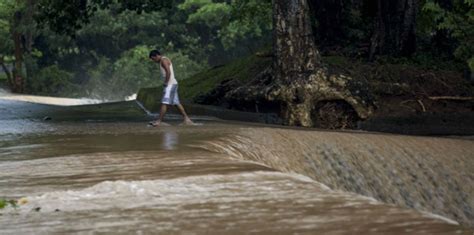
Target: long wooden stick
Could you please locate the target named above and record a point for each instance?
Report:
(450, 98)
(422, 106)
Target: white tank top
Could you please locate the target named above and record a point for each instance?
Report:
(163, 73)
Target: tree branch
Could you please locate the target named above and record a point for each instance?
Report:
(451, 98)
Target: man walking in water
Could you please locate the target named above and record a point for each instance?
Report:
(170, 92)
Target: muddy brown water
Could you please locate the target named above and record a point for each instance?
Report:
(96, 175)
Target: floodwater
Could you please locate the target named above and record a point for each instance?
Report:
(102, 170)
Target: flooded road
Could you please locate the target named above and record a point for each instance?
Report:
(91, 169)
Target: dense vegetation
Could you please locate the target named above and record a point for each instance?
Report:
(98, 48)
(105, 54)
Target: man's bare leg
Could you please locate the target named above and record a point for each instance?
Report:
(163, 110)
(187, 120)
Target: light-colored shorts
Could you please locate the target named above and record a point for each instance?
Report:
(170, 95)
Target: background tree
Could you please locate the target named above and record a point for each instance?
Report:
(301, 79)
(456, 18)
(6, 43)
(395, 28)
(17, 31)
(229, 30)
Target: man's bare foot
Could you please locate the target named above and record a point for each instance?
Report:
(158, 123)
(188, 122)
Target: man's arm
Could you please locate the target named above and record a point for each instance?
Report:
(166, 65)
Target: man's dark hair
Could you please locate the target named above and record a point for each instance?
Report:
(154, 53)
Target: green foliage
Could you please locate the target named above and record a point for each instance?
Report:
(5, 203)
(50, 80)
(113, 33)
(66, 17)
(7, 8)
(184, 67)
(209, 13)
(250, 19)
(231, 22)
(470, 63)
(138, 5)
(111, 80)
(194, 4)
(7, 11)
(459, 22)
(133, 70)
(110, 54)
(97, 41)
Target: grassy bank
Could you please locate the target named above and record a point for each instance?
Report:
(240, 71)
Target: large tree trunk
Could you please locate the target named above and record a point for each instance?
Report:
(394, 27)
(27, 42)
(22, 36)
(296, 58)
(302, 82)
(294, 48)
(302, 88)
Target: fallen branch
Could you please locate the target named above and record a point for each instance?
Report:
(450, 98)
(422, 106)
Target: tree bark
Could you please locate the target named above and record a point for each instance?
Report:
(27, 42)
(22, 36)
(27, 37)
(407, 41)
(294, 47)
